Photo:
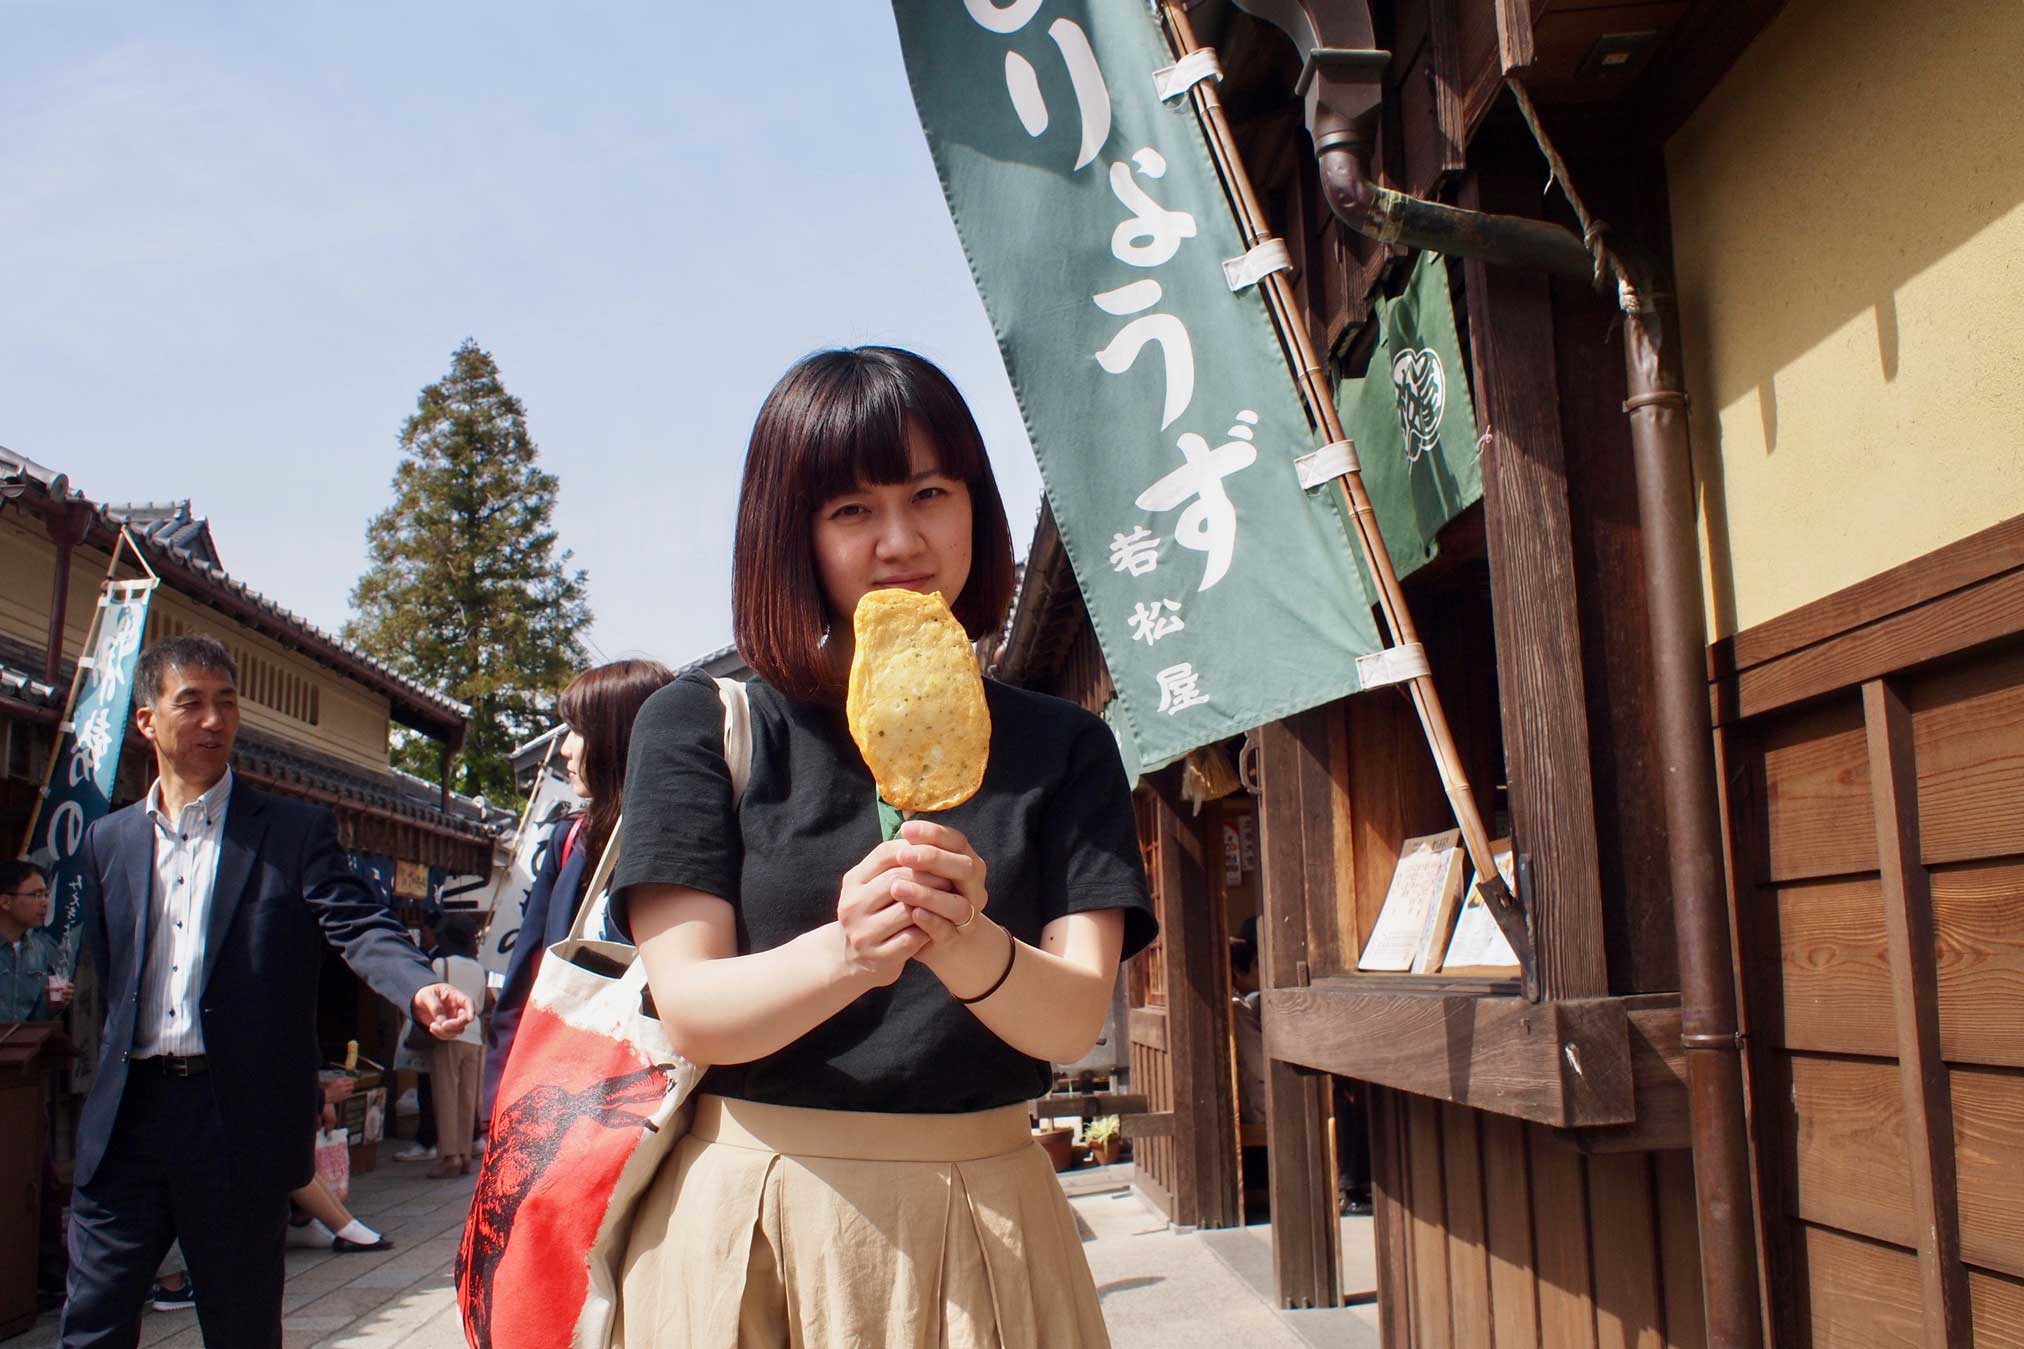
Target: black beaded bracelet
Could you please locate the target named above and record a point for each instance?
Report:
(1011, 955)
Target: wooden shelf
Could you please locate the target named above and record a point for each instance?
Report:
(1578, 1064)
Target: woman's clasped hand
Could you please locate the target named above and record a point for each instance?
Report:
(915, 897)
(878, 929)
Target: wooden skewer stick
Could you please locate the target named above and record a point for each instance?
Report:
(1321, 407)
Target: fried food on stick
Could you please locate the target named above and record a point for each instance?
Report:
(916, 704)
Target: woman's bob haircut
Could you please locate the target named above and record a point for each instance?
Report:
(835, 421)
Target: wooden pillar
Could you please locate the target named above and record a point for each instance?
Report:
(1391, 1229)
(1922, 1073)
(1444, 66)
(1297, 855)
(1516, 45)
(1539, 668)
(66, 530)
(1208, 1188)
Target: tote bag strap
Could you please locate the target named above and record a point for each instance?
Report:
(737, 735)
(737, 758)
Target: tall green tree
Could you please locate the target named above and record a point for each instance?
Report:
(466, 590)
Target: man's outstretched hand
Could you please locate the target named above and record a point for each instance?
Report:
(443, 1010)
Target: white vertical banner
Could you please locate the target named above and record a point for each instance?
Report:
(507, 902)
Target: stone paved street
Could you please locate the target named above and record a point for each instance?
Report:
(1160, 1289)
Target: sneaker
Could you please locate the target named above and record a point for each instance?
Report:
(182, 1299)
(416, 1152)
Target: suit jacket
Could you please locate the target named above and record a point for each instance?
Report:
(283, 887)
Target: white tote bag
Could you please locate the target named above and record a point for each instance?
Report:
(592, 1101)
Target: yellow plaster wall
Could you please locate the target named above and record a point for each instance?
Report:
(1849, 240)
(352, 720)
(27, 574)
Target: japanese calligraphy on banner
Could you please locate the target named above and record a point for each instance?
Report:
(1411, 418)
(87, 752)
(506, 903)
(1157, 400)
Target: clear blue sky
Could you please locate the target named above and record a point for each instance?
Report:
(237, 240)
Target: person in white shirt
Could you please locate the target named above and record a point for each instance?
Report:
(457, 1064)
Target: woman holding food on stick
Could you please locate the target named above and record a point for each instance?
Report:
(876, 1014)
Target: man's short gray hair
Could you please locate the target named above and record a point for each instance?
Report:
(191, 651)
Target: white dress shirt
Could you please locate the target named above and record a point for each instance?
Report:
(179, 917)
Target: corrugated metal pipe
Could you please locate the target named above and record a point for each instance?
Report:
(1657, 407)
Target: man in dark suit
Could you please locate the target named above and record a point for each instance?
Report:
(205, 907)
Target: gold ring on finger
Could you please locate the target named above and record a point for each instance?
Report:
(967, 921)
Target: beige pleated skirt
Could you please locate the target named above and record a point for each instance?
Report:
(774, 1226)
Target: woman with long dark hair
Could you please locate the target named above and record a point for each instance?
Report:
(875, 1016)
(598, 708)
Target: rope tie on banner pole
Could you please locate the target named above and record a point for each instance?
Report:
(1299, 344)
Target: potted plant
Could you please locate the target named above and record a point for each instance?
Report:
(1104, 1138)
(1058, 1142)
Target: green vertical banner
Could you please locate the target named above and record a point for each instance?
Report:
(86, 765)
(1156, 397)
(1411, 419)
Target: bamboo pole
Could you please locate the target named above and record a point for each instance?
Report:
(1314, 391)
(527, 809)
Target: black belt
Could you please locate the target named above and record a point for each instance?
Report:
(175, 1065)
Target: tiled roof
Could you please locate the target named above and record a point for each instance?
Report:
(385, 789)
(21, 680)
(14, 464)
(157, 527)
(169, 523)
(21, 686)
(724, 663)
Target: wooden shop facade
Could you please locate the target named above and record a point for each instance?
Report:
(1733, 647)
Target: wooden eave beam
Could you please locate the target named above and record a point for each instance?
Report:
(1089, 1105)
(1567, 1063)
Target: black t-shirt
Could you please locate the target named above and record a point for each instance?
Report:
(1053, 823)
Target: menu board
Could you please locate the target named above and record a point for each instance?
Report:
(1425, 886)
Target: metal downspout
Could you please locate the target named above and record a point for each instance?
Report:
(1658, 425)
(1708, 1023)
(1396, 218)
